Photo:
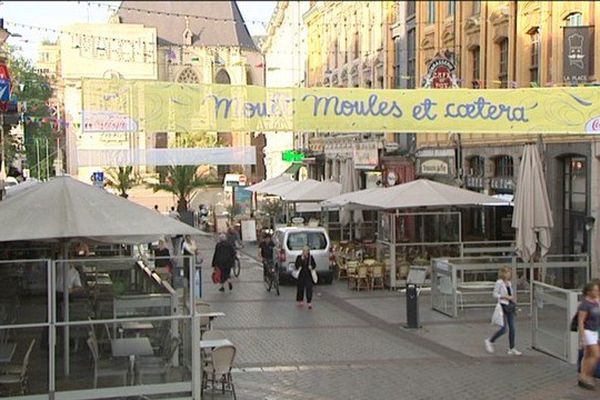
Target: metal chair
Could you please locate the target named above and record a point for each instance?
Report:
(17, 374)
(107, 368)
(158, 365)
(219, 369)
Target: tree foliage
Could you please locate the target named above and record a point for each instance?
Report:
(182, 181)
(33, 90)
(122, 179)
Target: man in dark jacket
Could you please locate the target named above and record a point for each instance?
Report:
(224, 259)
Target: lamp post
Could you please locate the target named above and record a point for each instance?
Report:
(589, 226)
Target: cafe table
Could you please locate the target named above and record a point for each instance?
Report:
(131, 347)
(211, 344)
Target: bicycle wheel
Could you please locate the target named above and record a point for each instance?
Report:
(236, 268)
(276, 281)
(268, 282)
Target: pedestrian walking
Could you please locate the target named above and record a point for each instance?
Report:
(588, 322)
(223, 259)
(504, 312)
(156, 208)
(305, 265)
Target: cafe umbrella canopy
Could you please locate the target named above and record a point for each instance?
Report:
(65, 209)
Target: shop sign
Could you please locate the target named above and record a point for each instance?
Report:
(366, 156)
(392, 178)
(292, 156)
(440, 74)
(502, 184)
(434, 167)
(474, 182)
(578, 53)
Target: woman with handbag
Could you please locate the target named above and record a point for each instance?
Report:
(305, 275)
(503, 292)
(588, 324)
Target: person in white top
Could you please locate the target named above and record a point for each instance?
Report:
(503, 292)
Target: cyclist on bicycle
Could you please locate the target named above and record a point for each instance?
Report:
(266, 253)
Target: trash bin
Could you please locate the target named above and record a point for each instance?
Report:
(412, 306)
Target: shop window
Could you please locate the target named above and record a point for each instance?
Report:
(503, 70)
(575, 204)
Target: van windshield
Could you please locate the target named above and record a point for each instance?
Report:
(314, 240)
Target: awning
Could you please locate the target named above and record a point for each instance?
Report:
(65, 208)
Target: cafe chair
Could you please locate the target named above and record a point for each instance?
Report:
(210, 335)
(107, 368)
(219, 370)
(17, 375)
(158, 365)
(377, 278)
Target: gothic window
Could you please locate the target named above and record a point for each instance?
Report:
(222, 77)
(188, 76)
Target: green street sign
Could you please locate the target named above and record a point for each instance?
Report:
(292, 156)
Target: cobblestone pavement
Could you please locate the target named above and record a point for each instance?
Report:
(353, 346)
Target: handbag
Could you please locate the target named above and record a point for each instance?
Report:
(314, 276)
(296, 273)
(511, 307)
(575, 323)
(498, 315)
(216, 275)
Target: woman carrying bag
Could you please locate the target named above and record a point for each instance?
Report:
(305, 275)
(503, 292)
(588, 323)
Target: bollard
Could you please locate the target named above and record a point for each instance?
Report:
(412, 307)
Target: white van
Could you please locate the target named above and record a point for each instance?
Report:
(290, 241)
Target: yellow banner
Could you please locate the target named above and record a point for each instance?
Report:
(111, 105)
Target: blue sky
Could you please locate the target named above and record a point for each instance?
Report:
(55, 14)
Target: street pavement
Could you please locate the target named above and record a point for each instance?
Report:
(353, 346)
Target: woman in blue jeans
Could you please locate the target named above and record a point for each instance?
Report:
(503, 292)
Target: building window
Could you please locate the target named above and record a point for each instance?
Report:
(411, 58)
(188, 76)
(503, 71)
(475, 58)
(574, 19)
(503, 167)
(410, 9)
(476, 10)
(431, 12)
(356, 45)
(397, 62)
(336, 50)
(451, 8)
(223, 77)
(574, 204)
(534, 71)
(345, 42)
(476, 166)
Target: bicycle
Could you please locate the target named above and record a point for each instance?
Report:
(237, 265)
(271, 277)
